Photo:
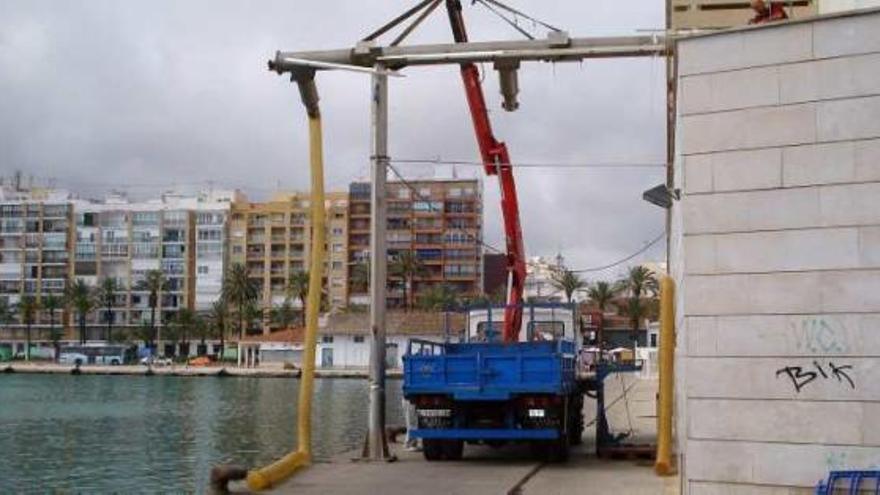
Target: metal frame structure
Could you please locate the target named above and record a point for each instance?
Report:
(382, 61)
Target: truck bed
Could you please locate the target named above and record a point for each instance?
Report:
(489, 371)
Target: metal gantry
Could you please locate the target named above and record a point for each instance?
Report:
(382, 61)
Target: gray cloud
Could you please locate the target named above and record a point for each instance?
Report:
(101, 94)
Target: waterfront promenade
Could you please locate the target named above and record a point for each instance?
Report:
(182, 370)
(507, 470)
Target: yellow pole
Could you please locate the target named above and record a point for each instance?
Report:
(261, 479)
(663, 465)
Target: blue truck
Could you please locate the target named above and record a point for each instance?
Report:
(483, 391)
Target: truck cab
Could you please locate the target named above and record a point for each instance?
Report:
(481, 390)
(540, 322)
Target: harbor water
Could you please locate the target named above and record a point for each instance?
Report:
(130, 434)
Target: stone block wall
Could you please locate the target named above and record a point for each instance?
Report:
(776, 251)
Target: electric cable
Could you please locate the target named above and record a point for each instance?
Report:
(472, 163)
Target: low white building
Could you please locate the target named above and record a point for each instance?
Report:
(344, 339)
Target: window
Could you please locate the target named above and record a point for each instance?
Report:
(425, 192)
(210, 235)
(545, 330)
(326, 339)
(403, 193)
(337, 248)
(237, 249)
(337, 265)
(485, 333)
(358, 339)
(337, 231)
(203, 269)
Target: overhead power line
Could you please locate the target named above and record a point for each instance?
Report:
(471, 163)
(418, 195)
(624, 260)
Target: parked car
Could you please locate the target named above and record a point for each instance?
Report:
(155, 361)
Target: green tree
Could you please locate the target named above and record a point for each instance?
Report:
(439, 298)
(219, 319)
(184, 324)
(238, 289)
(639, 282)
(107, 300)
(144, 332)
(360, 276)
(407, 266)
(568, 282)
(6, 312)
(601, 294)
(202, 330)
(79, 295)
(153, 283)
(298, 287)
(284, 315)
(253, 317)
(27, 310)
(51, 303)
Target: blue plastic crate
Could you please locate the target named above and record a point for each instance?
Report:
(853, 482)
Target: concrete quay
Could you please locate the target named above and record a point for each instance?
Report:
(181, 370)
(508, 470)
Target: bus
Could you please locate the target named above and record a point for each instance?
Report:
(94, 354)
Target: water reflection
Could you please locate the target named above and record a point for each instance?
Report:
(129, 434)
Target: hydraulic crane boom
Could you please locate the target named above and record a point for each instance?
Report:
(496, 162)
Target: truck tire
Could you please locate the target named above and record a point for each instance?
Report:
(559, 449)
(432, 449)
(453, 450)
(576, 421)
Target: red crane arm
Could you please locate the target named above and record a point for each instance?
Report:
(496, 162)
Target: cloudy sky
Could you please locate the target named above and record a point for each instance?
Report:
(145, 95)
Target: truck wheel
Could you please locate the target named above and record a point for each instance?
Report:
(576, 421)
(453, 450)
(432, 449)
(559, 449)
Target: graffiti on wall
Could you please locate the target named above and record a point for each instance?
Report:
(819, 335)
(801, 376)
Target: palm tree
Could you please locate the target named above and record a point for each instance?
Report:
(407, 266)
(27, 309)
(107, 299)
(219, 317)
(441, 298)
(298, 287)
(284, 315)
(360, 276)
(201, 330)
(6, 312)
(238, 289)
(153, 282)
(184, 323)
(568, 282)
(52, 303)
(79, 295)
(639, 281)
(601, 294)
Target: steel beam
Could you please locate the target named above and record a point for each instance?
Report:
(557, 47)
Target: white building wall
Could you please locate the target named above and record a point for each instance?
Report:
(776, 251)
(350, 354)
(827, 6)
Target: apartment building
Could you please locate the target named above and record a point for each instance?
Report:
(48, 238)
(35, 243)
(183, 236)
(273, 240)
(440, 221)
